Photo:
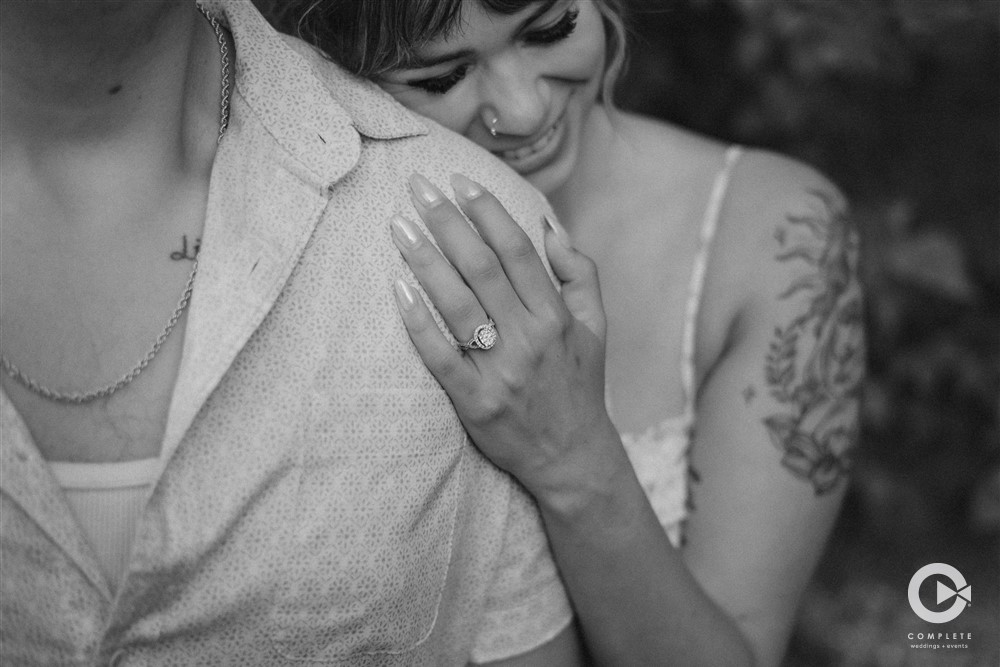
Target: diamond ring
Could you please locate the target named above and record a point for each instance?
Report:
(484, 338)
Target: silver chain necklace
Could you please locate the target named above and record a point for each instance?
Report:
(85, 397)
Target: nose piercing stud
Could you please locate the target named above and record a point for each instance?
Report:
(494, 120)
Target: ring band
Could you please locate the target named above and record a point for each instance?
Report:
(484, 338)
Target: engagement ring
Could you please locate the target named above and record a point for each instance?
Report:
(484, 338)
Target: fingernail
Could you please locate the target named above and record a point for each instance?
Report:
(465, 188)
(404, 295)
(404, 230)
(558, 230)
(424, 191)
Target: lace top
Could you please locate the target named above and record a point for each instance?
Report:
(659, 454)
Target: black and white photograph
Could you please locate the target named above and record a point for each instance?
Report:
(515, 333)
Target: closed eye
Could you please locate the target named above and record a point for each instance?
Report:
(557, 32)
(440, 85)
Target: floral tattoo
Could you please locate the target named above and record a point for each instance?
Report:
(820, 389)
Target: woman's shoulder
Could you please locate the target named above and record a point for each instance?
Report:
(758, 192)
(770, 197)
(763, 176)
(784, 240)
(772, 220)
(669, 152)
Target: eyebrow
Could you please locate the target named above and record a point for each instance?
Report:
(419, 62)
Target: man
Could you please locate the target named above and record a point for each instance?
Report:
(219, 317)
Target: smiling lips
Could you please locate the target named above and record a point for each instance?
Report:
(535, 147)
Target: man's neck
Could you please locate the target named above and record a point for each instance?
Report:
(104, 107)
(82, 70)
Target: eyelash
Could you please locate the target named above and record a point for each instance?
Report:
(440, 85)
(562, 29)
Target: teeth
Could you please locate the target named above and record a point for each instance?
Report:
(521, 153)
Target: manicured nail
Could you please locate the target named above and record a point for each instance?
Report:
(404, 230)
(424, 191)
(405, 296)
(558, 230)
(465, 188)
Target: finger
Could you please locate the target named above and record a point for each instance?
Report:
(451, 368)
(512, 246)
(459, 307)
(465, 249)
(581, 289)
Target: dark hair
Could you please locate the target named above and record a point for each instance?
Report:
(370, 37)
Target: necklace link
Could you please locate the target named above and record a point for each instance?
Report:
(224, 51)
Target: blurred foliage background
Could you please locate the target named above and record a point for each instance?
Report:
(898, 101)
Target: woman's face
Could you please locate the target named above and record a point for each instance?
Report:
(538, 72)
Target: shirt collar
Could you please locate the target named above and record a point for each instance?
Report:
(271, 71)
(373, 112)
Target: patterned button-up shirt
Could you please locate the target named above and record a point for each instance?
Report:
(319, 500)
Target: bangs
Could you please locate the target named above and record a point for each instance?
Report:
(372, 37)
(413, 23)
(384, 34)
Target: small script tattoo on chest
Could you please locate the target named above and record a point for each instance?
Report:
(189, 252)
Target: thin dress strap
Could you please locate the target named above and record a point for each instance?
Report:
(708, 226)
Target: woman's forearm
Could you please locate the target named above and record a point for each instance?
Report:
(636, 600)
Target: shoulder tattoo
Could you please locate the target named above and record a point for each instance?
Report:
(815, 363)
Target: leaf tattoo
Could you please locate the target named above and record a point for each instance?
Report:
(820, 389)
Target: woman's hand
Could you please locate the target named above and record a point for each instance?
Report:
(534, 402)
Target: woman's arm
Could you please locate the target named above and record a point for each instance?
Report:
(778, 412)
(534, 405)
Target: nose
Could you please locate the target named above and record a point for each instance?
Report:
(516, 99)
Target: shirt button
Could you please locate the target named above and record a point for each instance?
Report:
(117, 658)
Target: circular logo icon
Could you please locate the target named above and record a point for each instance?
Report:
(961, 591)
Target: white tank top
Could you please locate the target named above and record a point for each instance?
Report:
(106, 500)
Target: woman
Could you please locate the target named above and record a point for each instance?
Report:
(733, 313)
